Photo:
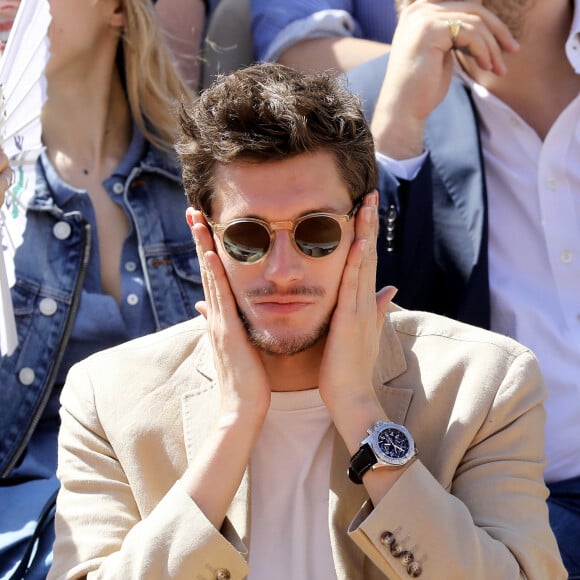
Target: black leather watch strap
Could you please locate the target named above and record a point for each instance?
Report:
(360, 463)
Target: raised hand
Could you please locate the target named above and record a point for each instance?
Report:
(242, 379)
(421, 64)
(244, 389)
(346, 371)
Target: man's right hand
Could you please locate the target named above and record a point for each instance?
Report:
(244, 388)
(242, 378)
(421, 64)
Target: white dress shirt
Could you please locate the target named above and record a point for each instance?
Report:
(533, 191)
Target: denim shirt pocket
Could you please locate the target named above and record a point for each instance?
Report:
(175, 281)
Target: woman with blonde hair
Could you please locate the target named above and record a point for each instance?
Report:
(107, 255)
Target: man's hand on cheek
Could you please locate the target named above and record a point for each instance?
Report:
(349, 358)
(241, 376)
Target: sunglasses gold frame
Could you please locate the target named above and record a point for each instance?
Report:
(273, 227)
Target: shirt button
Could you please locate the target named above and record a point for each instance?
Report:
(26, 376)
(222, 574)
(553, 183)
(130, 266)
(132, 299)
(118, 188)
(567, 257)
(47, 306)
(61, 230)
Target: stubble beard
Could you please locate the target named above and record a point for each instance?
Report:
(288, 345)
(511, 12)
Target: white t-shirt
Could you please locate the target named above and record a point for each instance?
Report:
(290, 478)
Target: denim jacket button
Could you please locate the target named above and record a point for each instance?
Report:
(26, 376)
(118, 188)
(61, 230)
(47, 306)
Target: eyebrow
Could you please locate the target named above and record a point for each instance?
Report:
(323, 209)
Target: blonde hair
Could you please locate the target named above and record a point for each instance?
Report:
(153, 84)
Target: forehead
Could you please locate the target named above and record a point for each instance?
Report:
(279, 189)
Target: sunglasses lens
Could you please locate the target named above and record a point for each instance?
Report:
(318, 236)
(246, 241)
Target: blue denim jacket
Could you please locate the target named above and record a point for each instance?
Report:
(50, 268)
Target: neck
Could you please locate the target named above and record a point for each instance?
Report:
(540, 82)
(298, 372)
(86, 125)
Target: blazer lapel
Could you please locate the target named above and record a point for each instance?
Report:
(450, 130)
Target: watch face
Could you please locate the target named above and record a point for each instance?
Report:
(393, 443)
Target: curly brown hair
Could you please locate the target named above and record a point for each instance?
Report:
(269, 112)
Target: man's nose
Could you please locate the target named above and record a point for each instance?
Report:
(284, 263)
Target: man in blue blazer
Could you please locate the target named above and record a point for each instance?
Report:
(478, 115)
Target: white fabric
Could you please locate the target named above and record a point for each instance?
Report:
(403, 168)
(22, 94)
(320, 24)
(290, 475)
(534, 252)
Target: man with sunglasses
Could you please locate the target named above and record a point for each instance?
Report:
(304, 426)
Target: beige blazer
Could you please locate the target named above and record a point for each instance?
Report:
(473, 505)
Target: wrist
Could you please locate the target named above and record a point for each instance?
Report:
(398, 134)
(387, 446)
(353, 416)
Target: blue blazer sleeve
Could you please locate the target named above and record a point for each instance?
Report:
(435, 252)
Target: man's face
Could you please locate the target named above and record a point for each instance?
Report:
(511, 12)
(286, 299)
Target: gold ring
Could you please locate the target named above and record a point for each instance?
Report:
(454, 26)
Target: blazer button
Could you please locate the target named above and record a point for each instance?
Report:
(222, 574)
(397, 550)
(414, 569)
(387, 538)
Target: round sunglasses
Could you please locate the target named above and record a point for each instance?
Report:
(316, 235)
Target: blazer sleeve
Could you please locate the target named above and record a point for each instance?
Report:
(492, 520)
(100, 532)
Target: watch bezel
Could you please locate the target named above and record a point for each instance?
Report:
(382, 458)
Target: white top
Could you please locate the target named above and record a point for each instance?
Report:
(533, 191)
(534, 252)
(290, 482)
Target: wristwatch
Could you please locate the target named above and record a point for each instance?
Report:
(387, 445)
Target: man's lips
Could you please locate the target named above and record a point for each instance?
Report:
(281, 300)
(282, 305)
